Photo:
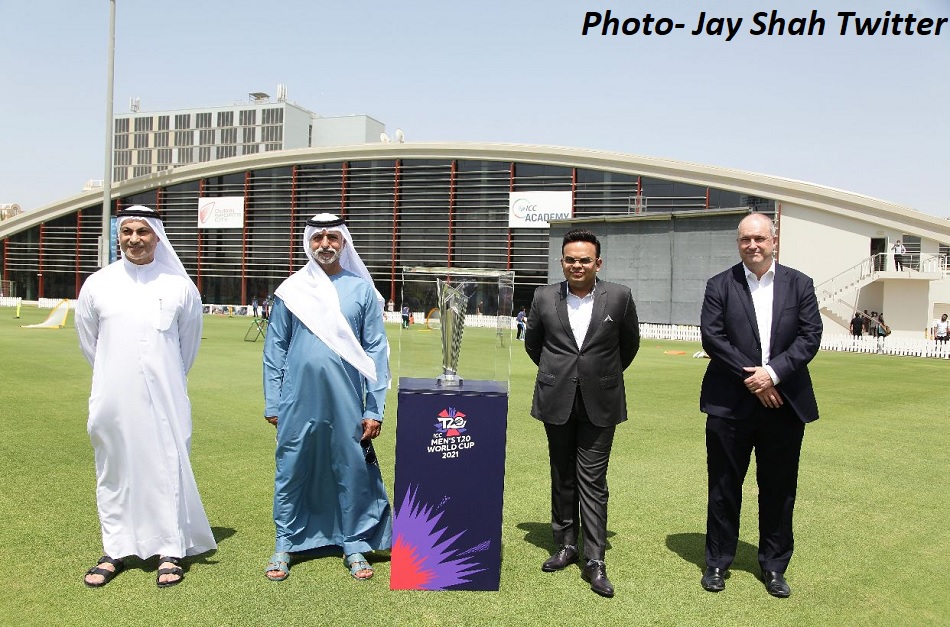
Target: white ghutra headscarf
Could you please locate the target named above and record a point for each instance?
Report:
(309, 295)
(165, 254)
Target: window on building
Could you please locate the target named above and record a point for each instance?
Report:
(163, 123)
(272, 116)
(183, 120)
(203, 120)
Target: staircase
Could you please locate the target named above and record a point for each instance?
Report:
(837, 297)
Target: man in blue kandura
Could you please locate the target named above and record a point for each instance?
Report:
(325, 379)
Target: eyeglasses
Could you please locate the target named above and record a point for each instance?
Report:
(584, 261)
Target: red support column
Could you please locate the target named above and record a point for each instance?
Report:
(392, 255)
(573, 192)
(778, 230)
(293, 215)
(511, 188)
(707, 198)
(201, 192)
(39, 272)
(343, 184)
(247, 188)
(78, 238)
(453, 185)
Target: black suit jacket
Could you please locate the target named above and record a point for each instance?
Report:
(612, 341)
(731, 339)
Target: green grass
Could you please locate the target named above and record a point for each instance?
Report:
(871, 520)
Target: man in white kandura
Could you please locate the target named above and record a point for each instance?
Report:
(139, 325)
(325, 378)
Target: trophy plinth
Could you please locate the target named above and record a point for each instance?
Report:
(449, 380)
(452, 303)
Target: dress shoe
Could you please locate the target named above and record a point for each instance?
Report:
(562, 558)
(595, 573)
(714, 579)
(775, 584)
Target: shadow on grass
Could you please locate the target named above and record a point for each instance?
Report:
(539, 534)
(220, 535)
(373, 557)
(692, 548)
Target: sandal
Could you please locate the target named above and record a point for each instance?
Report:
(175, 569)
(357, 563)
(106, 574)
(279, 562)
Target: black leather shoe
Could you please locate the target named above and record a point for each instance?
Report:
(562, 558)
(595, 573)
(714, 579)
(775, 584)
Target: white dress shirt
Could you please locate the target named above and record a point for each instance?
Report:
(762, 292)
(579, 312)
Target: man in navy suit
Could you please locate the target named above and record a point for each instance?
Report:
(760, 327)
(582, 333)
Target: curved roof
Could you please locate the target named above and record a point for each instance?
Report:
(885, 214)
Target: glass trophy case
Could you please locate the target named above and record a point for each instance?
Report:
(461, 325)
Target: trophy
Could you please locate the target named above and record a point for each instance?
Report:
(452, 305)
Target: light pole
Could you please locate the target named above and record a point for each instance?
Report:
(105, 237)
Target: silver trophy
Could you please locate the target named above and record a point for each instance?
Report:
(452, 305)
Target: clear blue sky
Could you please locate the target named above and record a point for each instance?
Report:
(865, 114)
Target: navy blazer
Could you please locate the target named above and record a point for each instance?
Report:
(731, 339)
(612, 341)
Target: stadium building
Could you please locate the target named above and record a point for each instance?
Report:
(667, 225)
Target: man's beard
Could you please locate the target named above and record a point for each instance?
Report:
(315, 255)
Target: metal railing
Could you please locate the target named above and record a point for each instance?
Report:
(848, 279)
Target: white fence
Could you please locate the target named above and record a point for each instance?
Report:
(683, 332)
(473, 320)
(909, 347)
(10, 301)
(49, 303)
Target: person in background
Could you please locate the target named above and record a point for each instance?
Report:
(857, 325)
(139, 325)
(520, 324)
(941, 330)
(899, 250)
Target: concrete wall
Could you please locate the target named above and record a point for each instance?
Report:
(296, 127)
(346, 130)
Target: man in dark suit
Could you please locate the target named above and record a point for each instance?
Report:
(760, 327)
(582, 333)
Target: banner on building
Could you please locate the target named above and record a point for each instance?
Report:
(224, 212)
(534, 210)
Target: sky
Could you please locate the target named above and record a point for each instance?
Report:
(863, 113)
